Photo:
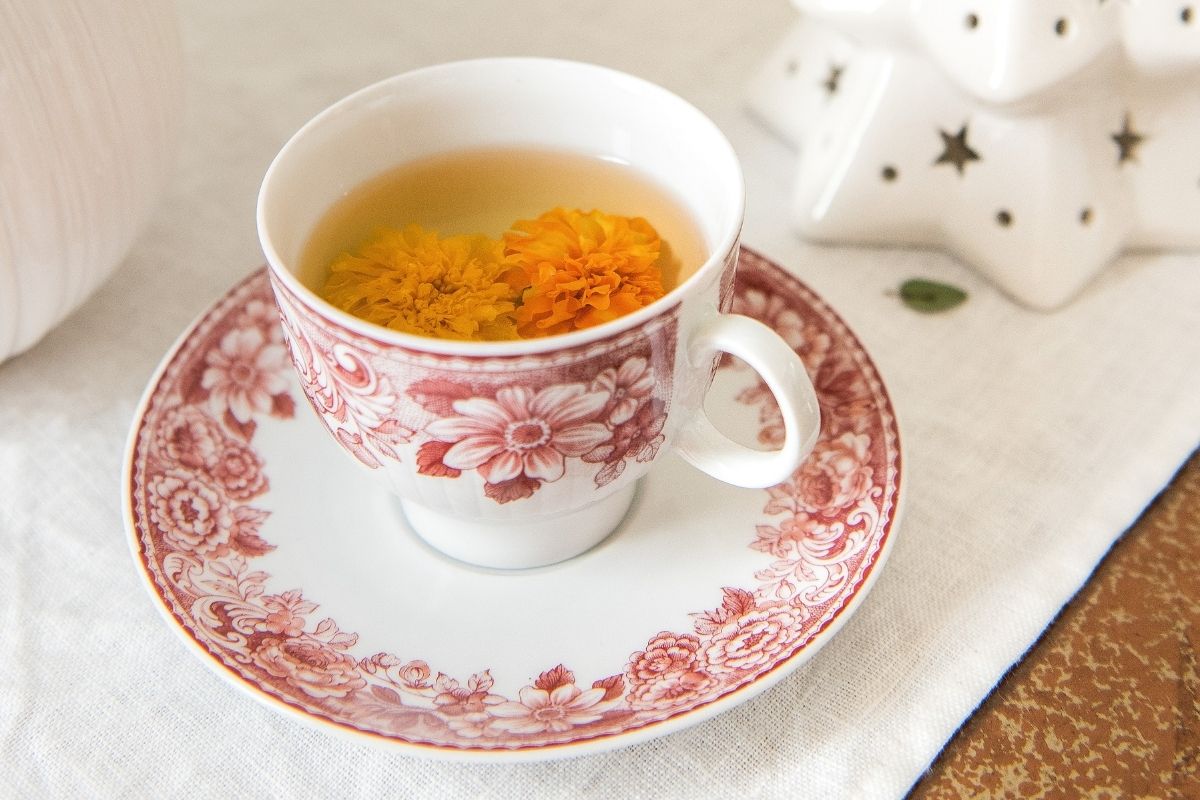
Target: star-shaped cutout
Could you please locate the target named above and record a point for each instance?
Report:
(1128, 140)
(956, 150)
(835, 75)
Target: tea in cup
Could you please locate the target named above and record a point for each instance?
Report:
(513, 418)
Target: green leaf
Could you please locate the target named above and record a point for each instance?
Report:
(930, 297)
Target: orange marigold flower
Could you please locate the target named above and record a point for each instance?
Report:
(581, 269)
(416, 282)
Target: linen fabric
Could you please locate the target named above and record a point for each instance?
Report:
(1031, 441)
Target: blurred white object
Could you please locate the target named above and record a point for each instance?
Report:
(1003, 51)
(1033, 139)
(90, 97)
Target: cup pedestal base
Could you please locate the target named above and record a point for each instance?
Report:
(522, 544)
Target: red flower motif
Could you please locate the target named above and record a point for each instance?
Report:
(264, 315)
(782, 539)
(669, 672)
(522, 432)
(414, 674)
(775, 311)
(818, 499)
(666, 652)
(846, 400)
(671, 689)
(237, 470)
(628, 387)
(310, 665)
(283, 621)
(772, 432)
(556, 710)
(639, 438)
(467, 709)
(192, 515)
(244, 373)
(285, 613)
(188, 436)
(752, 640)
(410, 674)
(809, 339)
(835, 477)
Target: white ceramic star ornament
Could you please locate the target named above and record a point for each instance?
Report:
(1034, 155)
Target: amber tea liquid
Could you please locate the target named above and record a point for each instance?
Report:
(486, 191)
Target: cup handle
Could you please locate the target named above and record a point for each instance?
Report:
(711, 451)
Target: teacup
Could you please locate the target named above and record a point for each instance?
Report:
(524, 453)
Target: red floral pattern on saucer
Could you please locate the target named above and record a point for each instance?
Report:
(198, 479)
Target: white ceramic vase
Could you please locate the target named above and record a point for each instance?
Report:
(90, 97)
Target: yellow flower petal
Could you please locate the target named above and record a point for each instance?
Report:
(576, 264)
(416, 282)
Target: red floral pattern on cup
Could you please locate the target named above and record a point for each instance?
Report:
(598, 406)
(522, 437)
(350, 398)
(196, 476)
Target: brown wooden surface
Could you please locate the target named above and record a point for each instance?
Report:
(1107, 703)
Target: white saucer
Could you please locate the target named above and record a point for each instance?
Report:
(302, 584)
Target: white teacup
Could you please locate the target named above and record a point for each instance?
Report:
(523, 453)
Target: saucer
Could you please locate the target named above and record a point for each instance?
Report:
(303, 585)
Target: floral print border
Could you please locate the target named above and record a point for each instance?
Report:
(518, 428)
(195, 477)
(519, 437)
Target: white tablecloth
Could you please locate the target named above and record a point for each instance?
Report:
(1032, 441)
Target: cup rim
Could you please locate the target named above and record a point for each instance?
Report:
(719, 252)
